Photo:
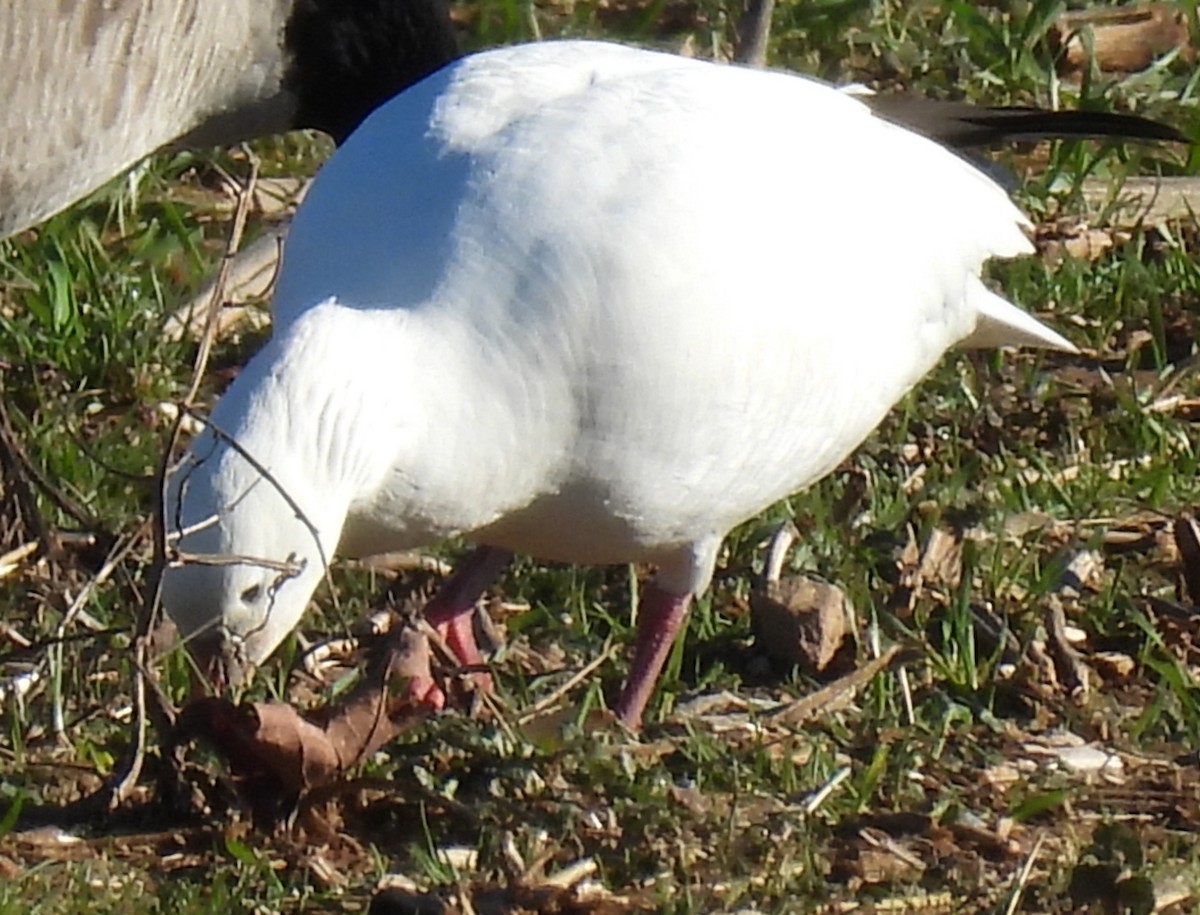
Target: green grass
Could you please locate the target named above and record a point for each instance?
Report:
(691, 820)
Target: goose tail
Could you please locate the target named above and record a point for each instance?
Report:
(1000, 323)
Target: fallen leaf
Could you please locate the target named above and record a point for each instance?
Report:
(276, 753)
(800, 620)
(797, 619)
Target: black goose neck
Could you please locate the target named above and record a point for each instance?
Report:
(347, 57)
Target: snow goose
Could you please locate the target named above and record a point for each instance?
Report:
(538, 300)
(91, 87)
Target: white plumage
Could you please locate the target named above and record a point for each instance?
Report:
(588, 303)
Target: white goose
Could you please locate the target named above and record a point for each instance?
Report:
(541, 301)
(91, 87)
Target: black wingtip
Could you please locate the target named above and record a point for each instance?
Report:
(1034, 122)
(962, 125)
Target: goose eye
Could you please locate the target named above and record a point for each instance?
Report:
(251, 594)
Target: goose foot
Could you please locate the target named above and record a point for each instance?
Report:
(450, 613)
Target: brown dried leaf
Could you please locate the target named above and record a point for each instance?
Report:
(370, 717)
(938, 565)
(800, 620)
(277, 753)
(941, 561)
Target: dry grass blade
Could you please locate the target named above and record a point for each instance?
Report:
(11, 561)
(1014, 901)
(553, 698)
(818, 797)
(837, 694)
(111, 563)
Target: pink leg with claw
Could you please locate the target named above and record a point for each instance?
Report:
(450, 614)
(665, 603)
(660, 618)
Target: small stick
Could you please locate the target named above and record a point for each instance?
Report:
(818, 797)
(1023, 877)
(753, 33)
(11, 561)
(584, 672)
(111, 563)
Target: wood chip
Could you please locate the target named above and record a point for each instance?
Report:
(1123, 39)
(1112, 665)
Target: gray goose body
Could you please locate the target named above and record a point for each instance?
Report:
(91, 87)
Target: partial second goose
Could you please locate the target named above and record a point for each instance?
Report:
(91, 87)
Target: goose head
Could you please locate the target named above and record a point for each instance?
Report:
(249, 545)
(256, 507)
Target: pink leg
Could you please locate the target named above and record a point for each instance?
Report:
(449, 612)
(661, 616)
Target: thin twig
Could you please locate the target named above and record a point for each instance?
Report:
(123, 780)
(291, 569)
(26, 472)
(112, 562)
(200, 365)
(838, 693)
(586, 671)
(266, 474)
(1023, 876)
